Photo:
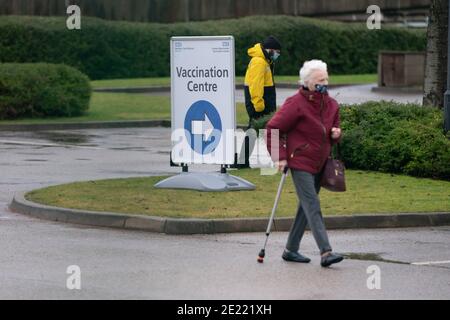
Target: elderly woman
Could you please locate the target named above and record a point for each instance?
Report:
(308, 125)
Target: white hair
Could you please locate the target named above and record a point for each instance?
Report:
(309, 67)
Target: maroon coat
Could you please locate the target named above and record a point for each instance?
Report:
(304, 123)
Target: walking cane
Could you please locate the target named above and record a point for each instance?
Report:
(262, 253)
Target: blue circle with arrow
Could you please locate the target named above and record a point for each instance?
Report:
(203, 127)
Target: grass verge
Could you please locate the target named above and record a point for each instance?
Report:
(368, 192)
(151, 82)
(123, 106)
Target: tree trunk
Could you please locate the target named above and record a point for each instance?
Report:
(435, 83)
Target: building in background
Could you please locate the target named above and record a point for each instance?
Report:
(406, 12)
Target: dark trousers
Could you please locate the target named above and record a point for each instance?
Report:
(247, 146)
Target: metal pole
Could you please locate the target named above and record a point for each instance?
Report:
(447, 93)
(277, 198)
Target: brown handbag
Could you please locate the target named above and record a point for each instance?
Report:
(333, 175)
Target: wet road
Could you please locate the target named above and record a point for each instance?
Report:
(35, 254)
(343, 95)
(349, 95)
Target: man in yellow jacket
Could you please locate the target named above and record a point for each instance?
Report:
(260, 95)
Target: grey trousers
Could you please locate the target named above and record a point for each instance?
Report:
(307, 186)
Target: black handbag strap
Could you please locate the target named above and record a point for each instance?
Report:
(338, 155)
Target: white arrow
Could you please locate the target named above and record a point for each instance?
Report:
(204, 128)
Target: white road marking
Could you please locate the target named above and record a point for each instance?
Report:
(427, 263)
(27, 143)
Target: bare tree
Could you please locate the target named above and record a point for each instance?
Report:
(437, 52)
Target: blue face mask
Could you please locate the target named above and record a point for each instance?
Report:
(275, 56)
(321, 88)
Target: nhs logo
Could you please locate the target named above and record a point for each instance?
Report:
(226, 44)
(178, 44)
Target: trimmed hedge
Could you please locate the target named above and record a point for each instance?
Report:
(397, 138)
(392, 137)
(42, 90)
(105, 49)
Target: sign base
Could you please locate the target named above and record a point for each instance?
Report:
(205, 182)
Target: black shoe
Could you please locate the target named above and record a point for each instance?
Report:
(241, 166)
(331, 259)
(295, 257)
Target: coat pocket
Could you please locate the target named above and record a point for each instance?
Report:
(299, 149)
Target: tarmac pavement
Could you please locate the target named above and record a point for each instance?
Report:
(343, 94)
(350, 95)
(117, 264)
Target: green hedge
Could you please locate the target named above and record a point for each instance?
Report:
(396, 138)
(42, 90)
(106, 50)
(392, 137)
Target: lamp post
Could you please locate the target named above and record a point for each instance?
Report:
(447, 93)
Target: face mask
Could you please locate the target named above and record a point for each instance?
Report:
(321, 88)
(275, 55)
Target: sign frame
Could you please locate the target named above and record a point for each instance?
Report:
(227, 159)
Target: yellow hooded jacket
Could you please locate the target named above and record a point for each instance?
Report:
(260, 96)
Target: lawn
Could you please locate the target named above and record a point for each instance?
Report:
(123, 106)
(150, 82)
(368, 192)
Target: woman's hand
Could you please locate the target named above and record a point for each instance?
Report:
(336, 133)
(281, 165)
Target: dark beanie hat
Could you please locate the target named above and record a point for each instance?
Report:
(271, 43)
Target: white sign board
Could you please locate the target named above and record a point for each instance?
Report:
(203, 102)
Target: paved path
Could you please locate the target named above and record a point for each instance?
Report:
(349, 95)
(35, 254)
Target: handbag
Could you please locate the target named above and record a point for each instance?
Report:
(333, 175)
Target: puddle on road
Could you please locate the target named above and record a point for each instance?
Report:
(35, 154)
(64, 138)
(370, 257)
(35, 160)
(7, 148)
(129, 149)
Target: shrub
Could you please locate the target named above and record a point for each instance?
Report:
(396, 138)
(392, 137)
(42, 90)
(105, 49)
